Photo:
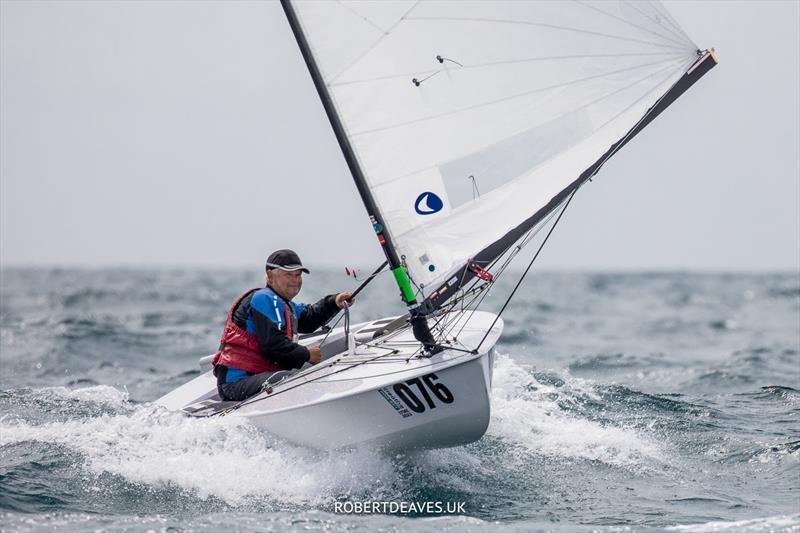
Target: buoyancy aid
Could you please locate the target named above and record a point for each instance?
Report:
(239, 349)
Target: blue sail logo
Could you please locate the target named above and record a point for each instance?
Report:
(428, 203)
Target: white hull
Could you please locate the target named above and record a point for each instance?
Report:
(382, 393)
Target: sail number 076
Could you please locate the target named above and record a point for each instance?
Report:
(425, 385)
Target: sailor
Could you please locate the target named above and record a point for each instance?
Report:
(260, 334)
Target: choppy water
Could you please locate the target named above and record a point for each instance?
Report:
(648, 401)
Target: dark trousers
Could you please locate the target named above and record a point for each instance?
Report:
(237, 391)
(250, 386)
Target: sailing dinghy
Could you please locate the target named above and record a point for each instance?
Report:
(467, 127)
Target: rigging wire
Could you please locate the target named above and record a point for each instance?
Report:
(535, 256)
(485, 287)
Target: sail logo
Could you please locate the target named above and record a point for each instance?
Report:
(428, 203)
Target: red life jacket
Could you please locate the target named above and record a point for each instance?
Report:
(239, 349)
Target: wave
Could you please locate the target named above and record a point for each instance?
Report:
(616, 361)
(526, 411)
(225, 458)
(773, 392)
(229, 460)
(46, 403)
(765, 453)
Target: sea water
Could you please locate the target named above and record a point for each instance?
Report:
(621, 401)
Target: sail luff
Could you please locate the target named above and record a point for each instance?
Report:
(417, 320)
(438, 297)
(377, 220)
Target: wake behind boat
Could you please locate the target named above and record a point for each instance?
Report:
(384, 391)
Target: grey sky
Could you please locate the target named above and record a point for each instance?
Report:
(189, 133)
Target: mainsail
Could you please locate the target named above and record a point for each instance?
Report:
(466, 123)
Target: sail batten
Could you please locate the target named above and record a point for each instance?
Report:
(468, 121)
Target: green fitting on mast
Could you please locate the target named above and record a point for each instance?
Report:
(404, 283)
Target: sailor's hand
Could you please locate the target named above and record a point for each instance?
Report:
(344, 298)
(314, 354)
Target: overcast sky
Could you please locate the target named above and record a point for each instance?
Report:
(189, 133)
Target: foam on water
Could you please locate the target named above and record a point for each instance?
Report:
(221, 457)
(229, 459)
(244, 521)
(773, 524)
(101, 394)
(527, 414)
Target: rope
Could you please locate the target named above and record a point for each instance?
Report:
(355, 293)
(482, 291)
(371, 276)
(346, 310)
(536, 255)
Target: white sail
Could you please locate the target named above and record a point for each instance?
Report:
(468, 117)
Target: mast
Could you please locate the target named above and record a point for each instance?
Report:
(420, 326)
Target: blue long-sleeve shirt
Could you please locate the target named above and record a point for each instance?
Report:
(265, 314)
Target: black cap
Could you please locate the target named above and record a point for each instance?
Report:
(285, 260)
